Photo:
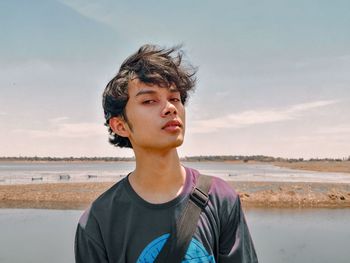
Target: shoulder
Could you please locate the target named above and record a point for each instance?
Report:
(103, 204)
(223, 190)
(223, 198)
(220, 190)
(116, 192)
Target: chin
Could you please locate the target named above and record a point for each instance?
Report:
(176, 143)
(165, 145)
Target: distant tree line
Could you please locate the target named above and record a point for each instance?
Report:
(258, 158)
(201, 158)
(223, 158)
(66, 159)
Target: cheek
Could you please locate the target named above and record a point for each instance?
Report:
(133, 114)
(182, 113)
(140, 120)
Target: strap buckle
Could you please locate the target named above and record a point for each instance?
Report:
(199, 197)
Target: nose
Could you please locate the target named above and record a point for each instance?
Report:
(169, 109)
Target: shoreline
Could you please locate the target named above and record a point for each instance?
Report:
(253, 195)
(316, 166)
(76, 195)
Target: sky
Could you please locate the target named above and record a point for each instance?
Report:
(273, 76)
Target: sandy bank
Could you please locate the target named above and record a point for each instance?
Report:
(319, 166)
(253, 194)
(293, 194)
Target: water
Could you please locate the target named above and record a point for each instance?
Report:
(37, 236)
(51, 172)
(26, 172)
(298, 236)
(280, 235)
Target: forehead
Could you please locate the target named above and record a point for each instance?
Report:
(137, 88)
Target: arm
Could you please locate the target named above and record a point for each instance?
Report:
(236, 245)
(88, 249)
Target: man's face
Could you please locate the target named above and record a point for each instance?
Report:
(156, 116)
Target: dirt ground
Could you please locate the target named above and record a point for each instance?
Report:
(253, 194)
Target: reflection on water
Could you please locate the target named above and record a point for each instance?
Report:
(280, 235)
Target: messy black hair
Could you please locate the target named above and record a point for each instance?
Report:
(151, 64)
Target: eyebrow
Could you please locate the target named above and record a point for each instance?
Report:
(147, 91)
(142, 92)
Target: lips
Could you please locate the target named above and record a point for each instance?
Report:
(172, 124)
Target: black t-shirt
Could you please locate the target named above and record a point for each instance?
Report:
(120, 226)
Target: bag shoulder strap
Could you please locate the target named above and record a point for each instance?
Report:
(176, 246)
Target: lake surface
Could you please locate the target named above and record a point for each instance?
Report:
(280, 235)
(26, 172)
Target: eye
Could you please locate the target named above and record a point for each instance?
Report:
(148, 101)
(175, 99)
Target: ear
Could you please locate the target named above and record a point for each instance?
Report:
(119, 126)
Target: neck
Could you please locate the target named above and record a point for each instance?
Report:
(159, 176)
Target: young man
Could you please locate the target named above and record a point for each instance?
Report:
(130, 222)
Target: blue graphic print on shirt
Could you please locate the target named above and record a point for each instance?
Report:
(196, 253)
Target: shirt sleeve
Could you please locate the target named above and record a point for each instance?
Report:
(235, 242)
(88, 249)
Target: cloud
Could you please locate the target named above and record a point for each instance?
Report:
(59, 129)
(90, 9)
(310, 105)
(58, 120)
(2, 113)
(339, 129)
(323, 61)
(254, 117)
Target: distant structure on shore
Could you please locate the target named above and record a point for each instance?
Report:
(208, 158)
